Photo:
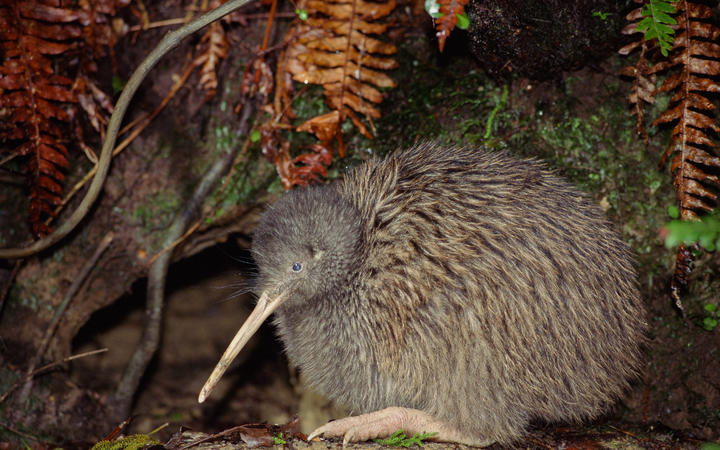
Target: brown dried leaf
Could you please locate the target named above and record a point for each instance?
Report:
(702, 157)
(629, 48)
(344, 9)
(55, 32)
(45, 13)
(445, 24)
(51, 110)
(699, 84)
(703, 66)
(672, 82)
(342, 27)
(695, 173)
(643, 90)
(361, 42)
(705, 30)
(43, 46)
(364, 90)
(54, 154)
(324, 127)
(214, 47)
(336, 75)
(327, 59)
(695, 10)
(691, 204)
(359, 124)
(353, 101)
(49, 184)
(43, 201)
(45, 166)
(56, 93)
(634, 15)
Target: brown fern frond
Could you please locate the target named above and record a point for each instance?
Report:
(683, 268)
(643, 82)
(691, 147)
(213, 48)
(692, 68)
(445, 23)
(96, 103)
(337, 51)
(336, 47)
(37, 103)
(304, 169)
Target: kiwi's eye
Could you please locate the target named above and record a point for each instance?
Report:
(296, 267)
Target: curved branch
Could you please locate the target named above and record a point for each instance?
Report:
(170, 41)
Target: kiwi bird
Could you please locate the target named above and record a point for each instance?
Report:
(448, 290)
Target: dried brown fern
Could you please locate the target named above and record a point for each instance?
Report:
(450, 11)
(644, 85)
(335, 47)
(213, 48)
(37, 102)
(691, 68)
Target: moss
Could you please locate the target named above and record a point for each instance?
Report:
(157, 211)
(432, 101)
(249, 177)
(132, 442)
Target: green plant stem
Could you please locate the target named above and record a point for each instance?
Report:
(493, 113)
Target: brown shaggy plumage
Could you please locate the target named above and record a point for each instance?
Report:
(479, 288)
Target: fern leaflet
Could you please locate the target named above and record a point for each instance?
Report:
(657, 18)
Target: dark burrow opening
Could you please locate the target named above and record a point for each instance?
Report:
(204, 307)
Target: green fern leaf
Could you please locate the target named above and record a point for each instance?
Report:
(656, 23)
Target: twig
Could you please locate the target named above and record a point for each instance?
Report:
(46, 367)
(26, 435)
(121, 426)
(161, 427)
(69, 295)
(9, 283)
(211, 437)
(8, 158)
(542, 444)
(11, 178)
(625, 432)
(159, 24)
(181, 20)
(187, 234)
(268, 27)
(145, 119)
(70, 358)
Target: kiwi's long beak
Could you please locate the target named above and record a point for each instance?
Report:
(263, 309)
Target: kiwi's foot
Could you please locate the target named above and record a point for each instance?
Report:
(385, 422)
